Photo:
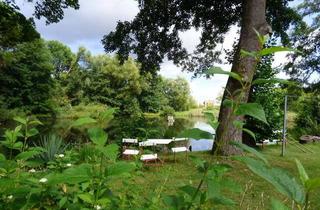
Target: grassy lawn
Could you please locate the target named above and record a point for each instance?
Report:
(167, 178)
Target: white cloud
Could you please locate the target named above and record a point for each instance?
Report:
(90, 23)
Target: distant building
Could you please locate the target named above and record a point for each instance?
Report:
(208, 103)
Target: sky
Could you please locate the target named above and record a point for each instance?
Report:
(96, 18)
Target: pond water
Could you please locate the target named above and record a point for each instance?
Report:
(159, 128)
(202, 144)
(142, 128)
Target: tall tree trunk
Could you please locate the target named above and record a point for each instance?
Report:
(253, 17)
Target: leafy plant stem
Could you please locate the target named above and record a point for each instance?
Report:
(198, 188)
(306, 206)
(10, 154)
(25, 137)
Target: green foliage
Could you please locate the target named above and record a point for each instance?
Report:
(26, 80)
(308, 116)
(11, 139)
(215, 184)
(167, 111)
(278, 205)
(265, 90)
(252, 109)
(53, 145)
(160, 93)
(282, 180)
(178, 93)
(219, 70)
(196, 133)
(83, 121)
(153, 98)
(62, 57)
(304, 36)
(15, 29)
(279, 178)
(66, 182)
(52, 11)
(252, 151)
(97, 136)
(28, 126)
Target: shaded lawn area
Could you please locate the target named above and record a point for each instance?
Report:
(156, 181)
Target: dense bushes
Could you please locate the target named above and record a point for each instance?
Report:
(42, 77)
(271, 97)
(308, 115)
(26, 80)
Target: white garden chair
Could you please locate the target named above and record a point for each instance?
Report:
(129, 152)
(180, 148)
(152, 158)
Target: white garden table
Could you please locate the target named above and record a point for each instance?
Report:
(159, 141)
(154, 142)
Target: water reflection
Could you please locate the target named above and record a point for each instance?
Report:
(202, 144)
(156, 127)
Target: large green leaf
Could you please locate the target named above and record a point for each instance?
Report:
(249, 132)
(201, 164)
(120, 168)
(312, 184)
(28, 154)
(108, 114)
(98, 136)
(189, 190)
(86, 197)
(32, 132)
(83, 121)
(174, 202)
(74, 175)
(271, 50)
(2, 157)
(262, 38)
(218, 70)
(302, 172)
(215, 194)
(251, 150)
(20, 120)
(245, 53)
(110, 151)
(195, 133)
(35, 122)
(280, 179)
(18, 145)
(254, 110)
(278, 205)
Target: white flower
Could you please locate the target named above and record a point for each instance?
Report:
(97, 207)
(69, 164)
(61, 155)
(32, 171)
(10, 197)
(43, 180)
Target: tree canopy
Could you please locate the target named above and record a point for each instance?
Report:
(51, 10)
(15, 28)
(154, 33)
(305, 37)
(26, 80)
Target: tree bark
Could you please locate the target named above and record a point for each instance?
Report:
(253, 17)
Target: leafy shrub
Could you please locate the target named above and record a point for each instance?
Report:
(53, 146)
(308, 116)
(167, 111)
